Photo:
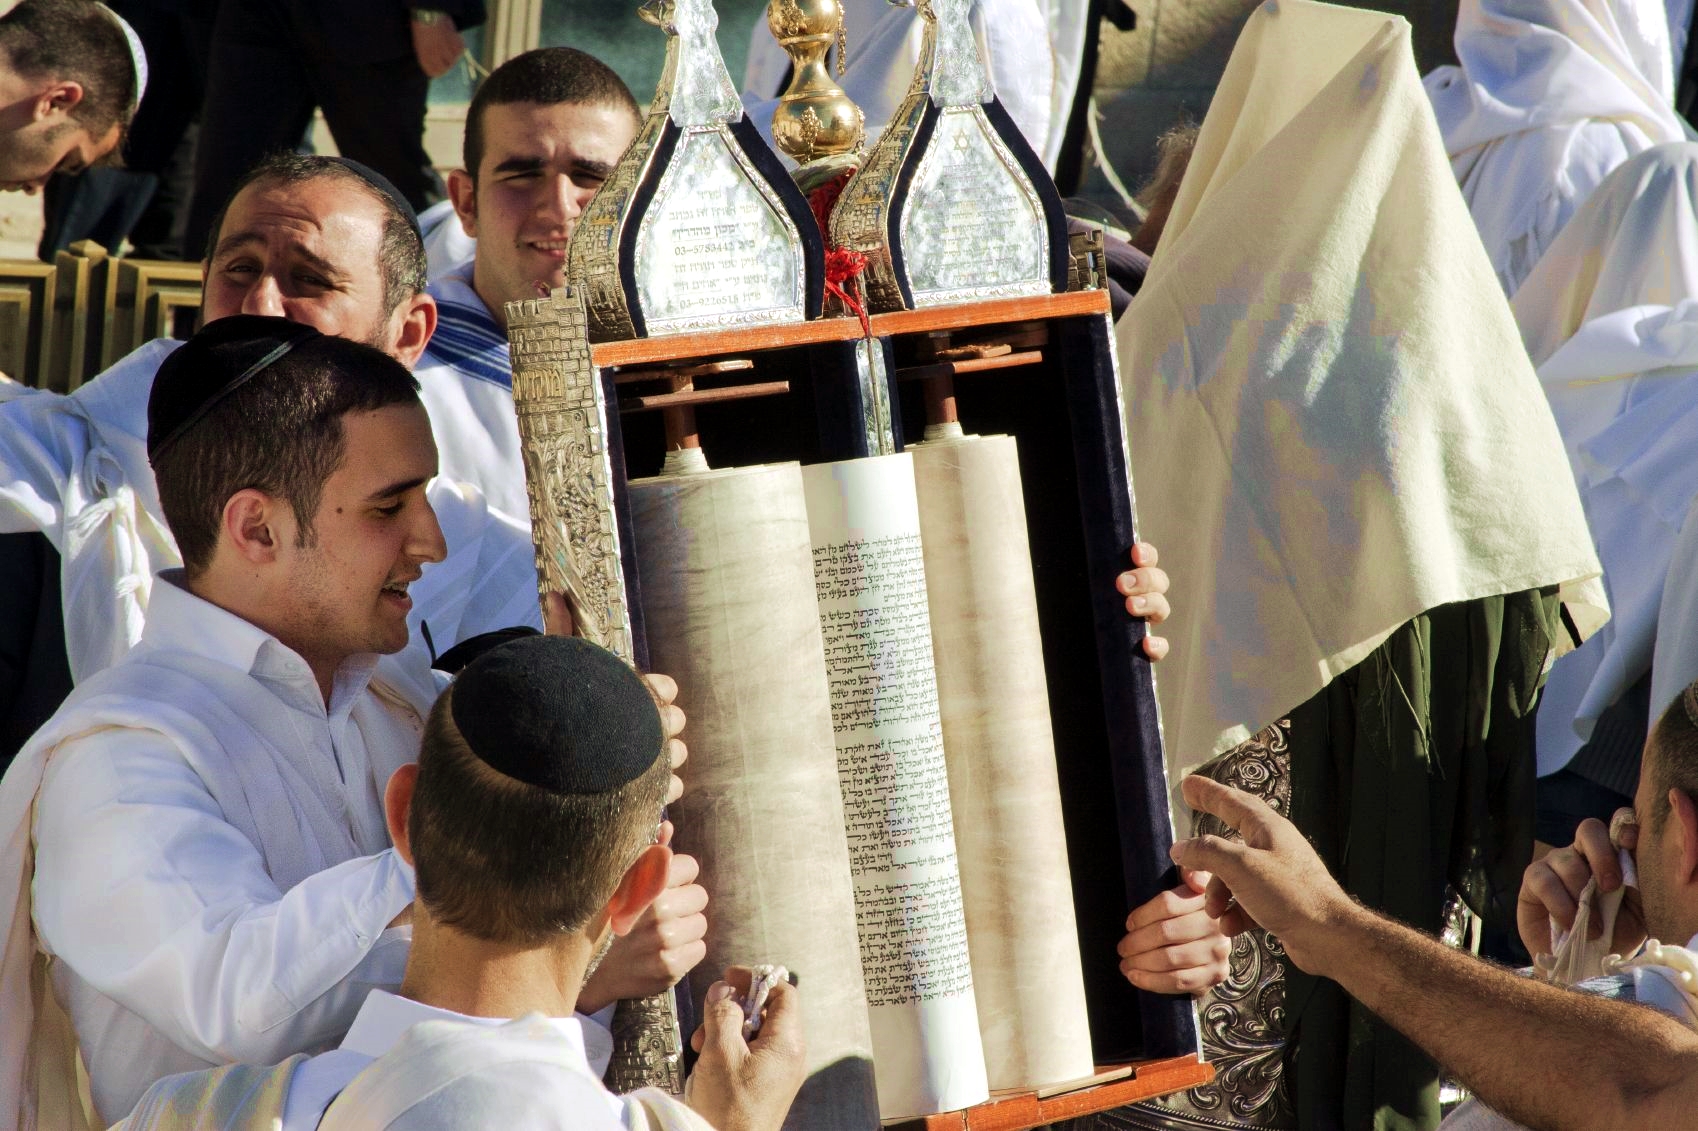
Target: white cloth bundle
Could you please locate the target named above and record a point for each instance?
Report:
(1550, 97)
(1333, 423)
(1610, 318)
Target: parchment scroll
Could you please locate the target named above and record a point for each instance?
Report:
(728, 598)
(869, 577)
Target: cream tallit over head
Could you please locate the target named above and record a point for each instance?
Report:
(1334, 426)
(1551, 95)
(1610, 317)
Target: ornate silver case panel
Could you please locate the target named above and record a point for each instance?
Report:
(952, 205)
(699, 227)
(569, 476)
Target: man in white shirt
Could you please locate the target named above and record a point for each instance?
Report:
(542, 134)
(71, 75)
(212, 873)
(532, 833)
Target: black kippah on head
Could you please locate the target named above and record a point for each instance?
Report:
(385, 186)
(559, 713)
(223, 357)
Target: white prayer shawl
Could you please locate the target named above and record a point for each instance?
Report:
(466, 382)
(446, 243)
(1333, 424)
(522, 1076)
(75, 468)
(1550, 97)
(1610, 317)
(237, 1097)
(1035, 49)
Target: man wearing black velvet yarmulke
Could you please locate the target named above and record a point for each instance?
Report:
(530, 820)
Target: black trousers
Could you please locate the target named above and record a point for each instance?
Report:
(273, 62)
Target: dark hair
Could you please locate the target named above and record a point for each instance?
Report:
(74, 40)
(401, 256)
(548, 76)
(509, 862)
(1676, 765)
(280, 433)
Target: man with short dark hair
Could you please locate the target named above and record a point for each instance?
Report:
(542, 134)
(71, 73)
(532, 836)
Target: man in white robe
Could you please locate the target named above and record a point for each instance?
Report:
(310, 240)
(1610, 319)
(1550, 97)
(510, 912)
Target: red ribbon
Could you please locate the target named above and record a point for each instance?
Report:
(841, 263)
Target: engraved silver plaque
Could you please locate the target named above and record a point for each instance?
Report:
(974, 226)
(952, 205)
(698, 227)
(714, 249)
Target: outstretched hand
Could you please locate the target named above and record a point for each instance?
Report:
(1272, 879)
(1145, 589)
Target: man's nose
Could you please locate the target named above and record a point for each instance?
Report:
(264, 297)
(428, 544)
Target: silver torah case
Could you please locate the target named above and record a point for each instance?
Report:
(952, 204)
(700, 226)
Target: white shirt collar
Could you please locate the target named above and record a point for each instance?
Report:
(181, 621)
(386, 1017)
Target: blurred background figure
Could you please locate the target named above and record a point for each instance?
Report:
(1551, 96)
(366, 64)
(146, 201)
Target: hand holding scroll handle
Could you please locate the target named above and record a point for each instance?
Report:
(1145, 588)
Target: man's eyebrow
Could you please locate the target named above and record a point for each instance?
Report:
(400, 488)
(239, 239)
(600, 169)
(519, 165)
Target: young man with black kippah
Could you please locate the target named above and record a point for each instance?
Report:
(212, 874)
(71, 74)
(532, 836)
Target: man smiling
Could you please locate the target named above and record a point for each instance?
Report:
(542, 134)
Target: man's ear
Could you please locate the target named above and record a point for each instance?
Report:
(63, 95)
(642, 882)
(1683, 814)
(464, 194)
(397, 804)
(410, 328)
(253, 525)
